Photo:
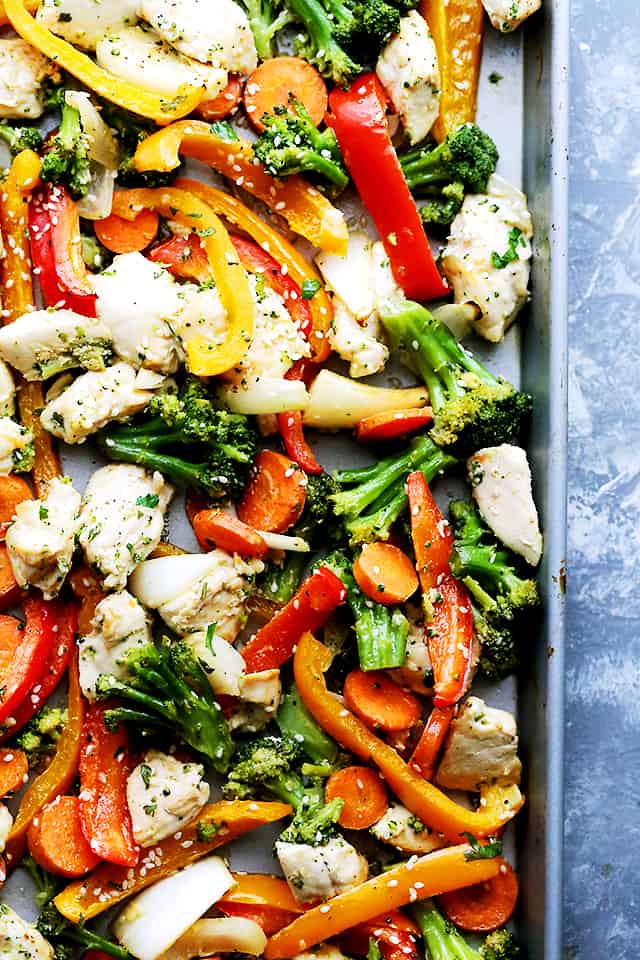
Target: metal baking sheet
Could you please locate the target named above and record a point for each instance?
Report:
(526, 113)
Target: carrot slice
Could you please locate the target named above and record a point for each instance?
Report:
(214, 528)
(13, 490)
(10, 592)
(11, 635)
(276, 494)
(56, 841)
(221, 106)
(387, 426)
(483, 906)
(14, 769)
(425, 756)
(365, 798)
(380, 702)
(127, 236)
(276, 81)
(87, 587)
(385, 574)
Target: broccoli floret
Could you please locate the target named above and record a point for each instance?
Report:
(445, 942)
(188, 425)
(467, 156)
(20, 138)
(291, 143)
(320, 46)
(314, 825)
(501, 945)
(65, 936)
(265, 23)
(95, 256)
(500, 596)
(381, 631)
(92, 353)
(439, 211)
(66, 159)
(169, 689)
(471, 408)
(374, 497)
(23, 459)
(39, 738)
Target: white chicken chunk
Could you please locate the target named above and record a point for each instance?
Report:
(121, 519)
(218, 597)
(20, 940)
(94, 399)
(84, 24)
(212, 31)
(163, 794)
(200, 315)
(385, 285)
(222, 663)
(139, 55)
(360, 344)
(137, 301)
(403, 830)
(408, 70)
(41, 540)
(481, 747)
(43, 343)
(351, 277)
(260, 695)
(501, 483)
(14, 441)
(22, 73)
(120, 624)
(507, 15)
(487, 257)
(7, 391)
(6, 822)
(321, 872)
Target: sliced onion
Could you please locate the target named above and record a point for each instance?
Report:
(280, 541)
(266, 395)
(338, 403)
(155, 582)
(218, 935)
(104, 155)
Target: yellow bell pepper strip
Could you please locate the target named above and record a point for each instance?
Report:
(496, 799)
(456, 27)
(204, 358)
(30, 5)
(17, 294)
(413, 880)
(124, 94)
(290, 259)
(306, 210)
(428, 803)
(216, 824)
(262, 890)
(58, 776)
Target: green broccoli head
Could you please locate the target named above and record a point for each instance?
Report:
(20, 138)
(66, 159)
(501, 945)
(468, 156)
(266, 762)
(314, 824)
(486, 414)
(23, 458)
(499, 654)
(92, 353)
(440, 210)
(40, 736)
(291, 143)
(367, 27)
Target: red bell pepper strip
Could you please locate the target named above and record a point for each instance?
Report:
(357, 117)
(450, 630)
(55, 666)
(389, 426)
(40, 635)
(290, 423)
(425, 756)
(56, 251)
(309, 609)
(184, 257)
(105, 765)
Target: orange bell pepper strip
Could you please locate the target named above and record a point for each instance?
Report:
(433, 807)
(124, 94)
(297, 267)
(17, 295)
(415, 879)
(456, 27)
(58, 776)
(262, 890)
(216, 825)
(30, 5)
(306, 210)
(203, 358)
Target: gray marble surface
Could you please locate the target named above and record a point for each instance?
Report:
(603, 657)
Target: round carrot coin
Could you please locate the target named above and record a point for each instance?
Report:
(278, 80)
(484, 906)
(385, 573)
(380, 702)
(365, 798)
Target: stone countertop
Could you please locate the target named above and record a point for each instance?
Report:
(602, 916)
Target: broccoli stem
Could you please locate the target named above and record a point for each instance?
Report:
(316, 163)
(70, 127)
(295, 722)
(329, 56)
(442, 940)
(183, 473)
(263, 28)
(281, 580)
(423, 166)
(487, 564)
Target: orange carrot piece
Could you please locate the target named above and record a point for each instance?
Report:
(214, 528)
(425, 756)
(379, 702)
(276, 494)
(483, 906)
(387, 426)
(14, 769)
(385, 573)
(56, 841)
(221, 106)
(127, 236)
(276, 81)
(87, 587)
(10, 592)
(365, 798)
(11, 635)
(13, 490)
(356, 940)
